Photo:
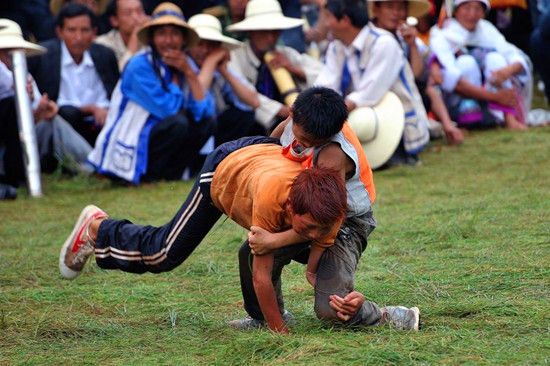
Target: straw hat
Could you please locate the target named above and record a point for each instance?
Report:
(56, 5)
(208, 27)
(416, 8)
(168, 13)
(12, 37)
(264, 15)
(379, 128)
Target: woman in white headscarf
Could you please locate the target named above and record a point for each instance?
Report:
(481, 71)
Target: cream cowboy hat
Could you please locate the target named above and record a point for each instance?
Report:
(12, 37)
(56, 5)
(208, 27)
(416, 8)
(379, 128)
(168, 13)
(264, 15)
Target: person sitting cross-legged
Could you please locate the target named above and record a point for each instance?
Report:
(160, 115)
(76, 73)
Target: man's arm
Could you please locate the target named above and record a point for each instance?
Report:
(265, 292)
(315, 254)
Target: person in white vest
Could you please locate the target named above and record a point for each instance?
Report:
(394, 16)
(481, 71)
(364, 63)
(263, 24)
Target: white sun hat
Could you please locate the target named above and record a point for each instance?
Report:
(416, 8)
(484, 2)
(208, 27)
(379, 128)
(12, 37)
(264, 15)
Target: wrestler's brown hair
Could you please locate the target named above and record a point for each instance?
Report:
(321, 192)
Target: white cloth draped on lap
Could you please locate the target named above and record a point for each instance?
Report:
(116, 150)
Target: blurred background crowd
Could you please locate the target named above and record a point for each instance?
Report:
(142, 90)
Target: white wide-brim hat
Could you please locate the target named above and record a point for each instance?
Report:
(264, 15)
(484, 2)
(208, 27)
(379, 128)
(12, 37)
(168, 14)
(415, 8)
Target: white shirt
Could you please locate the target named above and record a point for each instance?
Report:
(7, 86)
(80, 84)
(368, 84)
(6, 81)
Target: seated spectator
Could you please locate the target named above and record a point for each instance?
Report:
(263, 24)
(126, 17)
(160, 115)
(98, 7)
(235, 99)
(57, 141)
(481, 72)
(364, 63)
(76, 73)
(391, 15)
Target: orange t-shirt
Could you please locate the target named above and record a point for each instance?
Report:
(251, 186)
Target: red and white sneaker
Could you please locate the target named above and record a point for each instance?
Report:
(78, 246)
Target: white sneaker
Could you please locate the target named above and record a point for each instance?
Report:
(78, 247)
(403, 318)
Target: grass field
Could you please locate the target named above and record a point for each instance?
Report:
(465, 236)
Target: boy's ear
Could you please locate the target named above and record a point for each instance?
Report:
(290, 112)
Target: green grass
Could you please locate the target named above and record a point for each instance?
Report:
(465, 236)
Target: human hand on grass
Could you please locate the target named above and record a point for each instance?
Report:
(346, 307)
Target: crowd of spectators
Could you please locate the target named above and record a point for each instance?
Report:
(142, 90)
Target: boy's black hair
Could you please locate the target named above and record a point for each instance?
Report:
(356, 11)
(320, 111)
(72, 10)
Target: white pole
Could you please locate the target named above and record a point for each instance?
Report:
(25, 120)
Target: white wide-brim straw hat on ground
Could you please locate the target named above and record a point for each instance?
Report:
(209, 28)
(168, 14)
(379, 128)
(484, 2)
(264, 15)
(12, 37)
(416, 8)
(56, 5)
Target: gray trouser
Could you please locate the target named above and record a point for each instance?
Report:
(335, 274)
